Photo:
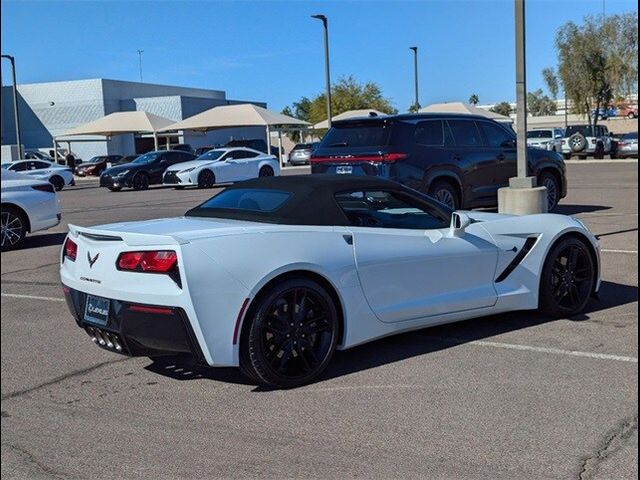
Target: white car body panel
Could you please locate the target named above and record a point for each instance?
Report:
(385, 288)
(42, 208)
(45, 174)
(226, 169)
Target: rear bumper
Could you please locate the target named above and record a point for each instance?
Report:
(137, 330)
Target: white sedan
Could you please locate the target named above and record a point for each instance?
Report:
(222, 165)
(58, 175)
(28, 205)
(273, 274)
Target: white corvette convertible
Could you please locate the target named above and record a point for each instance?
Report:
(273, 274)
(222, 165)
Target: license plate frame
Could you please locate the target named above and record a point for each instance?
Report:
(344, 170)
(97, 310)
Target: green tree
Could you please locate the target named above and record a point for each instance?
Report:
(502, 108)
(474, 99)
(539, 104)
(551, 79)
(598, 60)
(346, 94)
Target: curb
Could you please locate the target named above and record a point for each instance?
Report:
(621, 160)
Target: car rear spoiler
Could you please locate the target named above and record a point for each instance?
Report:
(130, 238)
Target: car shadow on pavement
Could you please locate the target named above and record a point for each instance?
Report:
(569, 209)
(406, 345)
(43, 240)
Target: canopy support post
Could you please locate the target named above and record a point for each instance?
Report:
(55, 150)
(155, 141)
(280, 156)
(268, 140)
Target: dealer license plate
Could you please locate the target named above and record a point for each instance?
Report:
(97, 310)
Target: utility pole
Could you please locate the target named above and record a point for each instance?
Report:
(325, 24)
(16, 114)
(416, 104)
(140, 62)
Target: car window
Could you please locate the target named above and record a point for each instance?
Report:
(388, 209)
(465, 133)
(18, 167)
(248, 199)
(496, 136)
(538, 134)
(369, 134)
(248, 154)
(433, 133)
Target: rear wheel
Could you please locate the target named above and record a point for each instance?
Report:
(266, 171)
(550, 182)
(568, 278)
(599, 153)
(14, 228)
(445, 193)
(291, 334)
(206, 179)
(140, 181)
(57, 182)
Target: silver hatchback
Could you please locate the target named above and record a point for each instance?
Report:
(628, 145)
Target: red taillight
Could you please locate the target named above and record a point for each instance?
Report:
(155, 261)
(151, 310)
(593, 141)
(44, 188)
(70, 250)
(383, 157)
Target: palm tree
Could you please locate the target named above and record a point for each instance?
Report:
(474, 99)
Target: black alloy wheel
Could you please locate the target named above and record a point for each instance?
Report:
(445, 194)
(57, 182)
(549, 181)
(14, 228)
(206, 179)
(265, 172)
(291, 334)
(140, 181)
(568, 278)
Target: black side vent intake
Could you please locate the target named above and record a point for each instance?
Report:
(526, 248)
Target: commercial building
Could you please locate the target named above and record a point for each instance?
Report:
(48, 110)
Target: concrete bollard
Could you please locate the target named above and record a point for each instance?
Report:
(522, 201)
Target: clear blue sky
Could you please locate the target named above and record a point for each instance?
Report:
(272, 51)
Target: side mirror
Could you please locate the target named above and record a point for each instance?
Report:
(459, 222)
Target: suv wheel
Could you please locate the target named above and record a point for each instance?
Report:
(140, 182)
(445, 193)
(549, 181)
(577, 142)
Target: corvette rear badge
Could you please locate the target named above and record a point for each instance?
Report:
(92, 260)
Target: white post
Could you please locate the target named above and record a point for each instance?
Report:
(55, 150)
(268, 141)
(155, 141)
(280, 156)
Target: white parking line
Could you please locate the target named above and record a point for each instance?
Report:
(529, 348)
(32, 297)
(610, 250)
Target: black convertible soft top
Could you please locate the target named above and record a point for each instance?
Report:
(312, 199)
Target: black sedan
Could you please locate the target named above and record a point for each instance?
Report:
(145, 170)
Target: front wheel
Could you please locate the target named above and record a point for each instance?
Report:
(14, 228)
(140, 182)
(568, 278)
(445, 193)
(206, 179)
(291, 334)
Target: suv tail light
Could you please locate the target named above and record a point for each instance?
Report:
(390, 157)
(44, 188)
(70, 250)
(154, 261)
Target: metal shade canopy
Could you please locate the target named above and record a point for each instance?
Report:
(230, 116)
(459, 107)
(120, 123)
(349, 114)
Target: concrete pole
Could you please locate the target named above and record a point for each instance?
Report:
(325, 24)
(55, 150)
(155, 141)
(280, 156)
(16, 114)
(415, 75)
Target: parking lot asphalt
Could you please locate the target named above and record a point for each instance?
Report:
(508, 396)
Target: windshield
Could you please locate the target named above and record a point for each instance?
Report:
(585, 130)
(147, 158)
(630, 136)
(540, 134)
(211, 155)
(368, 134)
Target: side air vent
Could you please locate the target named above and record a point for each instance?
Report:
(526, 248)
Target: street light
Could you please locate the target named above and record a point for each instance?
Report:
(140, 62)
(324, 21)
(416, 104)
(15, 103)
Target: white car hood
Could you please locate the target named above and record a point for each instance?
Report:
(190, 164)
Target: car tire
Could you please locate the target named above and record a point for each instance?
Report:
(568, 278)
(550, 182)
(115, 189)
(140, 181)
(14, 228)
(206, 179)
(566, 156)
(577, 142)
(57, 181)
(445, 193)
(631, 116)
(599, 152)
(266, 171)
(290, 335)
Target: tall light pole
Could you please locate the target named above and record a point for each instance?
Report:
(15, 102)
(416, 104)
(325, 22)
(140, 62)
